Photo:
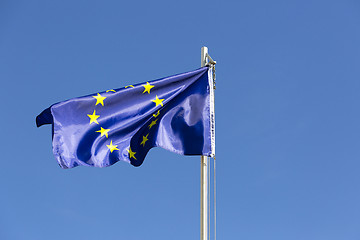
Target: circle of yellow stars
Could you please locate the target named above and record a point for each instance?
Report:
(105, 132)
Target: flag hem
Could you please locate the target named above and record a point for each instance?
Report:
(212, 112)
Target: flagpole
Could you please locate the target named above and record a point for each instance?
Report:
(204, 195)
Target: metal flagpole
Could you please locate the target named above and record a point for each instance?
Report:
(204, 199)
(205, 168)
(204, 178)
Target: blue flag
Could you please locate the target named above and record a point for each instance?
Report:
(175, 113)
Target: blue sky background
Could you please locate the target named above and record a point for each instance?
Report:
(287, 118)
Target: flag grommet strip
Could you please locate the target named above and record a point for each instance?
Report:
(212, 108)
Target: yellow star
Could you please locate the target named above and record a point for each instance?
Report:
(129, 86)
(144, 140)
(112, 147)
(155, 115)
(132, 154)
(111, 90)
(158, 101)
(147, 87)
(99, 99)
(152, 123)
(93, 118)
(103, 132)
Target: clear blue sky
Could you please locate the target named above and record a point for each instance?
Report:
(287, 118)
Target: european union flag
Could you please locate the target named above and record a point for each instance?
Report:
(175, 113)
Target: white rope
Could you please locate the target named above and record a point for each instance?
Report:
(214, 171)
(214, 198)
(209, 194)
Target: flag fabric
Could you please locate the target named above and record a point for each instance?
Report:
(175, 113)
